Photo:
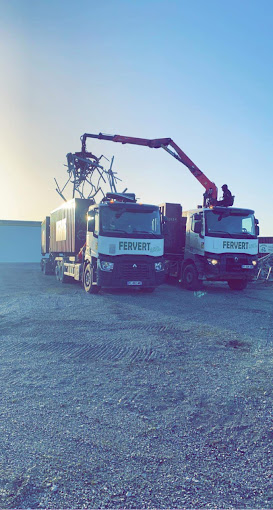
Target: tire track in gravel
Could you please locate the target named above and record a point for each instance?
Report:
(121, 346)
(131, 342)
(70, 338)
(99, 352)
(71, 327)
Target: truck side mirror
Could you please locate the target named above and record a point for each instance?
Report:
(257, 228)
(198, 227)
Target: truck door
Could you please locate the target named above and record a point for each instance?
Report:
(92, 233)
(197, 233)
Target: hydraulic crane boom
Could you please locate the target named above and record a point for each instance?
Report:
(157, 143)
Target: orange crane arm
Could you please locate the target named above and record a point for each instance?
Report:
(164, 143)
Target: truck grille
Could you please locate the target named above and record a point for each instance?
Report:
(235, 262)
(130, 272)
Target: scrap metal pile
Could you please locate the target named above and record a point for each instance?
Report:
(88, 176)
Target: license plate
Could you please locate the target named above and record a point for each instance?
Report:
(247, 267)
(134, 283)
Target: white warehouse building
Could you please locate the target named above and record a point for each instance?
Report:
(20, 241)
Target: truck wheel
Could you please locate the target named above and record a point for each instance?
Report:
(148, 289)
(63, 277)
(237, 284)
(57, 271)
(88, 281)
(45, 268)
(190, 277)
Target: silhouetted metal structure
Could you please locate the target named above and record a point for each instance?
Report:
(88, 176)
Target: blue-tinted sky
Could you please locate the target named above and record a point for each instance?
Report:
(197, 71)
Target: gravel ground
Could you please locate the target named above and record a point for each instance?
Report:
(128, 400)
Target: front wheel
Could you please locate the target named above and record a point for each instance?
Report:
(88, 281)
(190, 277)
(237, 284)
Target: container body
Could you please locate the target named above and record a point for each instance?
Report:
(265, 245)
(68, 226)
(45, 233)
(174, 228)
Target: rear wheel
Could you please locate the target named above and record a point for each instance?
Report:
(57, 271)
(88, 280)
(190, 277)
(63, 277)
(237, 284)
(45, 267)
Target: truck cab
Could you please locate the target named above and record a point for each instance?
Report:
(221, 244)
(124, 246)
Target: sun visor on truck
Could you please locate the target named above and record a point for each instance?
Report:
(139, 208)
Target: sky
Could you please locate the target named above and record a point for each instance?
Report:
(199, 72)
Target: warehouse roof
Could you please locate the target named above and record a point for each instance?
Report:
(19, 223)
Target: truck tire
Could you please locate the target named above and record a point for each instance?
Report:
(57, 271)
(88, 281)
(45, 267)
(237, 284)
(63, 277)
(190, 277)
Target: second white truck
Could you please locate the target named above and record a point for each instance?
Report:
(211, 244)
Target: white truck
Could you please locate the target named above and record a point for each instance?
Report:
(211, 244)
(117, 243)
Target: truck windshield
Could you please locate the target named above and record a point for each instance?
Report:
(230, 224)
(139, 222)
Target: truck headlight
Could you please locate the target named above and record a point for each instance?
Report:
(106, 266)
(159, 266)
(254, 262)
(213, 262)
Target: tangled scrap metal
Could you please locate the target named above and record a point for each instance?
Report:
(88, 176)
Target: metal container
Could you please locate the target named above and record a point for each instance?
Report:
(68, 226)
(265, 240)
(174, 229)
(45, 232)
(265, 245)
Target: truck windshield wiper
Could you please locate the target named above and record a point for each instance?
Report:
(116, 230)
(120, 230)
(145, 232)
(220, 232)
(243, 234)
